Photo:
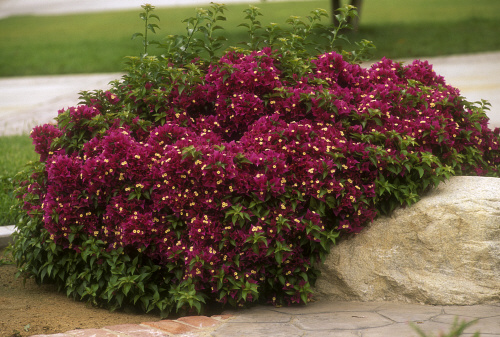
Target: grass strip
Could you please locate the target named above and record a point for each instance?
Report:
(15, 152)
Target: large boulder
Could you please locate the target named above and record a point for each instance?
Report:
(443, 250)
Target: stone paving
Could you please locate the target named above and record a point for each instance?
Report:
(338, 319)
(323, 318)
(57, 7)
(185, 326)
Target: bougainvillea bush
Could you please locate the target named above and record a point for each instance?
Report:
(204, 176)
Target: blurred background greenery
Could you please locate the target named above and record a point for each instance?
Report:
(15, 152)
(98, 42)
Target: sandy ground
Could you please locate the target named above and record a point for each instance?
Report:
(29, 309)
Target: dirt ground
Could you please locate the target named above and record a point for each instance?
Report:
(27, 310)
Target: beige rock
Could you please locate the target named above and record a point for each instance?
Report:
(443, 250)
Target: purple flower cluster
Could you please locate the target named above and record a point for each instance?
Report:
(242, 180)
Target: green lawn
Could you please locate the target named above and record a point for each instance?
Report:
(421, 28)
(98, 42)
(15, 152)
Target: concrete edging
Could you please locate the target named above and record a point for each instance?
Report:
(6, 235)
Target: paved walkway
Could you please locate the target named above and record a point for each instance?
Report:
(476, 75)
(55, 7)
(319, 319)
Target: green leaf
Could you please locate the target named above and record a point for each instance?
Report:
(281, 278)
(136, 35)
(278, 255)
(153, 26)
(197, 305)
(420, 171)
(126, 288)
(303, 297)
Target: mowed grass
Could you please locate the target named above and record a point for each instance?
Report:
(15, 153)
(98, 42)
(424, 28)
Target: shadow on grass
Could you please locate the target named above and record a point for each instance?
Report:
(394, 41)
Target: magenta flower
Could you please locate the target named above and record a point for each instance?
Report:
(236, 181)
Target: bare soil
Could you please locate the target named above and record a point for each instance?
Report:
(30, 309)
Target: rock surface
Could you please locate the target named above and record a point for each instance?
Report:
(443, 250)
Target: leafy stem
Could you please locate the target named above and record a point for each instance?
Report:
(146, 16)
(251, 14)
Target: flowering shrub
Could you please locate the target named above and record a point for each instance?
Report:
(228, 178)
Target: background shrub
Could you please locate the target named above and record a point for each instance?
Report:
(198, 178)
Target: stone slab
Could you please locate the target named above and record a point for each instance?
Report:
(261, 316)
(257, 330)
(412, 312)
(341, 321)
(137, 330)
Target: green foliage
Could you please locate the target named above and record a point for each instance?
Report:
(199, 36)
(305, 38)
(457, 329)
(146, 16)
(110, 278)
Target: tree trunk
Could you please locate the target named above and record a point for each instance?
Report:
(355, 20)
(335, 5)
